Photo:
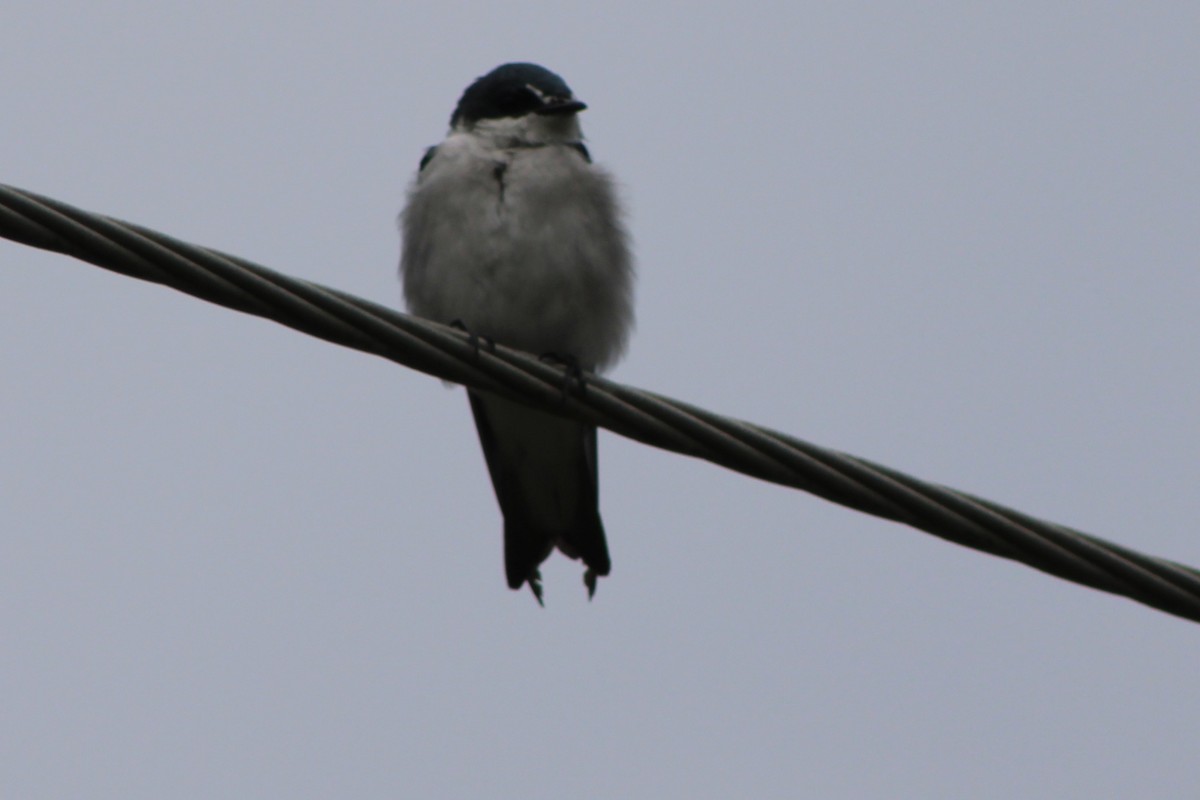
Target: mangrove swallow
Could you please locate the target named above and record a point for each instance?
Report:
(513, 233)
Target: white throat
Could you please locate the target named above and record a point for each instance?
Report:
(530, 130)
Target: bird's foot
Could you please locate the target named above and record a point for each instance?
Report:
(589, 580)
(473, 338)
(572, 372)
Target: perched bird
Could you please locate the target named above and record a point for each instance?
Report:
(513, 233)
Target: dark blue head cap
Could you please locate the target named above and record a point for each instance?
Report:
(514, 90)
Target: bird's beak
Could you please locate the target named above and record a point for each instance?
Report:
(562, 106)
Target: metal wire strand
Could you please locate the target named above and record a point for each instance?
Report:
(659, 421)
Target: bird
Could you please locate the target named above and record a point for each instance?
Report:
(510, 232)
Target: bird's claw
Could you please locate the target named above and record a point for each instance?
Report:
(572, 372)
(474, 339)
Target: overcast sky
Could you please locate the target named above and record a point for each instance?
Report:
(957, 239)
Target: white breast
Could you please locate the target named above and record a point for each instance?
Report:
(523, 244)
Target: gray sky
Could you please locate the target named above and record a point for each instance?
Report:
(240, 562)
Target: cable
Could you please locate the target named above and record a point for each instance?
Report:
(659, 421)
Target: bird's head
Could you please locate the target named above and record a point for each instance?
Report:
(525, 101)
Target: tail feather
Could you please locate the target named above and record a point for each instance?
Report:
(543, 469)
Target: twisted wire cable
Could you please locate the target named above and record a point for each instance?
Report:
(652, 419)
